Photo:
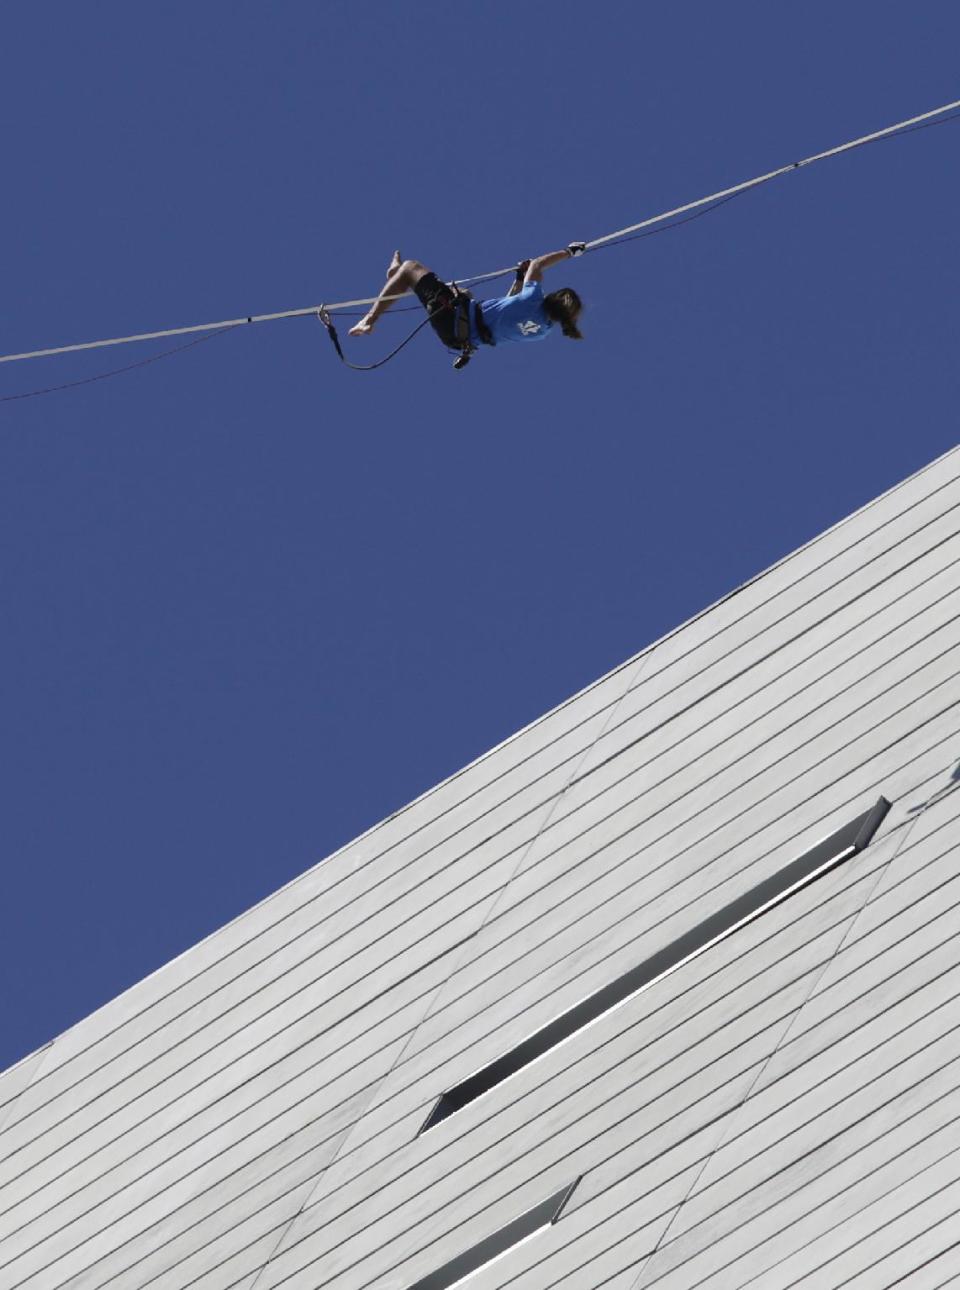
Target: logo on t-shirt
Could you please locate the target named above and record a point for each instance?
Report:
(529, 328)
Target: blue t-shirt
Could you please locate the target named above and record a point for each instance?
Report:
(519, 317)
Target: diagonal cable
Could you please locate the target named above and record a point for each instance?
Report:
(948, 111)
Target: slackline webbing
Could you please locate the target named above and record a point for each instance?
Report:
(607, 238)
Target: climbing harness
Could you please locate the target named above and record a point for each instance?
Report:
(460, 305)
(466, 308)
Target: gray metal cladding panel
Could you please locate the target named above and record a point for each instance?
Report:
(837, 847)
(484, 1045)
(249, 1114)
(702, 1077)
(17, 1078)
(493, 1247)
(871, 1105)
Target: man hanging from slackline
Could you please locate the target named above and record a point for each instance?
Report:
(523, 314)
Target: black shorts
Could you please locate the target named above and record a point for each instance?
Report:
(438, 300)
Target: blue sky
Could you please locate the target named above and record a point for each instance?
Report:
(252, 602)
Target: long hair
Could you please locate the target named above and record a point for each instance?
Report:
(564, 307)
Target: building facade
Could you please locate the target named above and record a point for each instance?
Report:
(661, 992)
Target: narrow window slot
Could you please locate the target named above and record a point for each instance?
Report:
(500, 1243)
(833, 850)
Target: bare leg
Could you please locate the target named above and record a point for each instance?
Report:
(402, 275)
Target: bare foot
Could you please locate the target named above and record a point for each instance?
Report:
(362, 328)
(394, 263)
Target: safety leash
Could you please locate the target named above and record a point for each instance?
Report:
(324, 316)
